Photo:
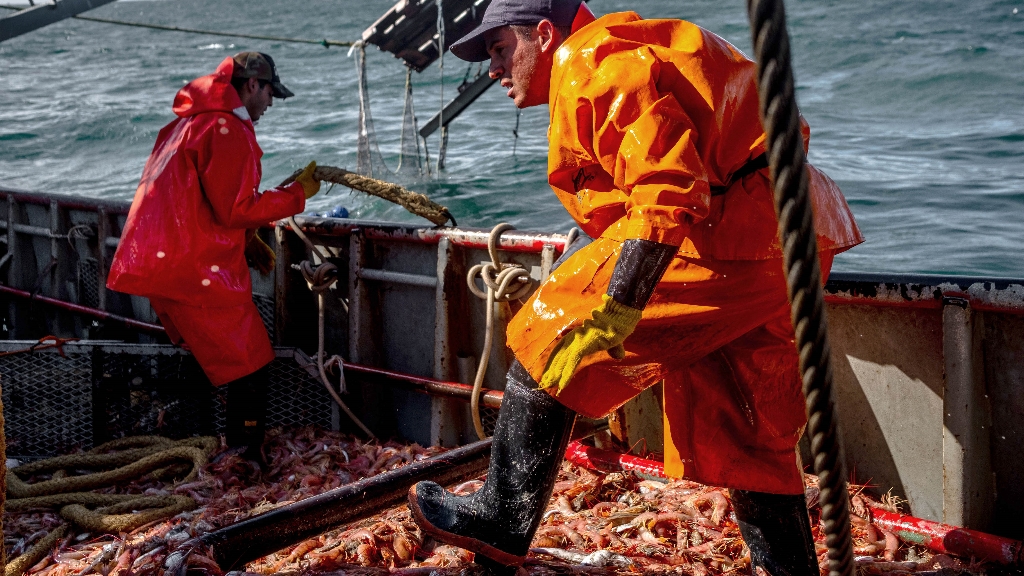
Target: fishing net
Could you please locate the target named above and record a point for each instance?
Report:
(409, 164)
(369, 161)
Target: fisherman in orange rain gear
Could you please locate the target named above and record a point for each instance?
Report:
(657, 151)
(192, 229)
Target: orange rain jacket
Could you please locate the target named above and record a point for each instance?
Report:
(648, 117)
(183, 244)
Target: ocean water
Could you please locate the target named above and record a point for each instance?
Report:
(916, 109)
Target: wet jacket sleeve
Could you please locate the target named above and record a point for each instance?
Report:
(229, 178)
(625, 149)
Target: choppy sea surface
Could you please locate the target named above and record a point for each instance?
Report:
(916, 109)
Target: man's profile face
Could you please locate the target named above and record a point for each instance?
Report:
(262, 99)
(516, 61)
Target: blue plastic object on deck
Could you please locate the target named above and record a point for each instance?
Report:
(336, 212)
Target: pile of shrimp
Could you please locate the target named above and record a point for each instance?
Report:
(614, 523)
(303, 462)
(617, 523)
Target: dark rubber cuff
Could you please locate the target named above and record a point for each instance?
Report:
(640, 267)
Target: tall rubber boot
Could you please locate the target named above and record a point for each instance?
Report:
(247, 413)
(777, 531)
(498, 521)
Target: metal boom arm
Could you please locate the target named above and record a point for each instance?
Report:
(35, 17)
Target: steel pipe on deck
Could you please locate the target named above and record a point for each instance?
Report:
(235, 545)
(488, 398)
(83, 310)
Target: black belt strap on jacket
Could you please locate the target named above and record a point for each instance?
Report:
(747, 169)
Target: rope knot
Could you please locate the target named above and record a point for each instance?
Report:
(319, 277)
(504, 281)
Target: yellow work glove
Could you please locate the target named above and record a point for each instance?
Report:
(310, 185)
(611, 323)
(259, 255)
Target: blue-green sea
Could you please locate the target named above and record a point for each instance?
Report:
(916, 109)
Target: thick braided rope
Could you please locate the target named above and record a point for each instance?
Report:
(129, 514)
(117, 512)
(184, 451)
(414, 202)
(36, 552)
(781, 120)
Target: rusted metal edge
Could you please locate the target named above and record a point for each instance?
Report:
(1004, 295)
(512, 241)
(235, 545)
(926, 292)
(67, 201)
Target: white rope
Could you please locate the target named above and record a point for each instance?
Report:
(320, 277)
(503, 283)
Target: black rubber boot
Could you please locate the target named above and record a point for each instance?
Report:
(247, 413)
(499, 520)
(777, 530)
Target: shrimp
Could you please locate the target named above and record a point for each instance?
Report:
(718, 500)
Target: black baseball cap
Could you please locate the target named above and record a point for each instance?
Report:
(260, 66)
(472, 48)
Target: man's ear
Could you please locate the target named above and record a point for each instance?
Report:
(254, 85)
(547, 33)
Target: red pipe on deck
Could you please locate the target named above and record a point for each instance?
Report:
(84, 310)
(948, 539)
(608, 461)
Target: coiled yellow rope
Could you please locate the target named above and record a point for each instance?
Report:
(135, 457)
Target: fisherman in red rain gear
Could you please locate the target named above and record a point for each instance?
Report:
(657, 150)
(192, 229)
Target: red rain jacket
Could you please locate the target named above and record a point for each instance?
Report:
(185, 236)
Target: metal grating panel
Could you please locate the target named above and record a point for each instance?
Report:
(47, 401)
(296, 396)
(88, 282)
(265, 306)
(103, 390)
(489, 418)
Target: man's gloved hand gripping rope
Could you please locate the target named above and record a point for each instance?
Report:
(640, 266)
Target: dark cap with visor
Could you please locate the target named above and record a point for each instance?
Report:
(510, 12)
(261, 67)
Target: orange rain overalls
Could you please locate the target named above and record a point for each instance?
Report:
(649, 121)
(183, 244)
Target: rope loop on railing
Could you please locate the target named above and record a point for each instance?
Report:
(320, 277)
(507, 281)
(503, 282)
(784, 144)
